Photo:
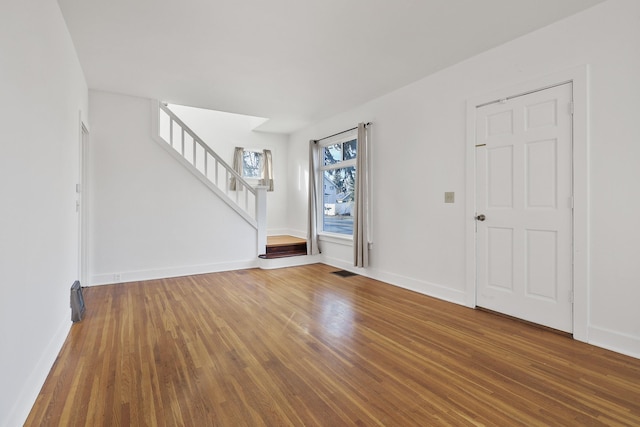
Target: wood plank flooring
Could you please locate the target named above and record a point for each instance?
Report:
(302, 346)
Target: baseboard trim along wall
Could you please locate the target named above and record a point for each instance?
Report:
(423, 287)
(164, 273)
(27, 395)
(615, 341)
(288, 232)
(279, 232)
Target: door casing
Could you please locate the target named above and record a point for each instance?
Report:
(578, 76)
(82, 199)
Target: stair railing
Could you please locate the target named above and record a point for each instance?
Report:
(194, 154)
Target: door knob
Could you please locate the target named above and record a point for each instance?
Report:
(481, 217)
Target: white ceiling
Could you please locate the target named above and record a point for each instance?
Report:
(292, 61)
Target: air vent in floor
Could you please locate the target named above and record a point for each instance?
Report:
(344, 273)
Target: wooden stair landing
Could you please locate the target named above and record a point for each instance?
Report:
(284, 246)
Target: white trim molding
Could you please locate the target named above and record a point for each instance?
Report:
(345, 240)
(615, 341)
(165, 273)
(423, 287)
(578, 76)
(27, 395)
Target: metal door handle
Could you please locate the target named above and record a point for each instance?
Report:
(481, 217)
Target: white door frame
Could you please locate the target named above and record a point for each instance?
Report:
(83, 238)
(579, 77)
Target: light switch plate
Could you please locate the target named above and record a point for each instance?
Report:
(449, 197)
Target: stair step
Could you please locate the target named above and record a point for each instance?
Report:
(284, 246)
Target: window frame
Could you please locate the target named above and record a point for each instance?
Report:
(252, 179)
(339, 238)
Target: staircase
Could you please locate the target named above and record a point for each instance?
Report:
(194, 154)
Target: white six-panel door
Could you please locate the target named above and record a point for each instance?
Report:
(524, 191)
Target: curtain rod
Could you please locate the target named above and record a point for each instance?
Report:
(344, 131)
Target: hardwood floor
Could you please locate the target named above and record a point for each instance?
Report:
(302, 346)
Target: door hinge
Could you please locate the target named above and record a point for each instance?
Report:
(571, 107)
(571, 296)
(77, 188)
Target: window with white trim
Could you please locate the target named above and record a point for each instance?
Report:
(252, 164)
(337, 180)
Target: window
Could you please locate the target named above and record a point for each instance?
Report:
(338, 170)
(252, 164)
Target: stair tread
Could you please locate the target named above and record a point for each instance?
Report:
(275, 241)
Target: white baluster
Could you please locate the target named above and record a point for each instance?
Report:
(246, 200)
(254, 210)
(182, 145)
(171, 131)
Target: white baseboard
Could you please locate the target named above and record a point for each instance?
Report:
(163, 273)
(615, 341)
(423, 287)
(26, 397)
(279, 232)
(292, 261)
(291, 232)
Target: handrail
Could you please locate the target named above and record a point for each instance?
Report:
(204, 145)
(257, 216)
(219, 177)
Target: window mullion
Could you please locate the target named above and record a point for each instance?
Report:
(339, 165)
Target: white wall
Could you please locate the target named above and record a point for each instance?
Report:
(149, 216)
(225, 131)
(418, 153)
(43, 92)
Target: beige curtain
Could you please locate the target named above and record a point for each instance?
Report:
(313, 247)
(361, 205)
(268, 170)
(237, 166)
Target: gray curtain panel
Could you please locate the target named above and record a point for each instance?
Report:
(313, 247)
(268, 170)
(237, 166)
(361, 205)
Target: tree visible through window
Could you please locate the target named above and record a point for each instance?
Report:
(338, 183)
(252, 164)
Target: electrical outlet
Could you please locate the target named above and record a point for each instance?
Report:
(116, 277)
(449, 197)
